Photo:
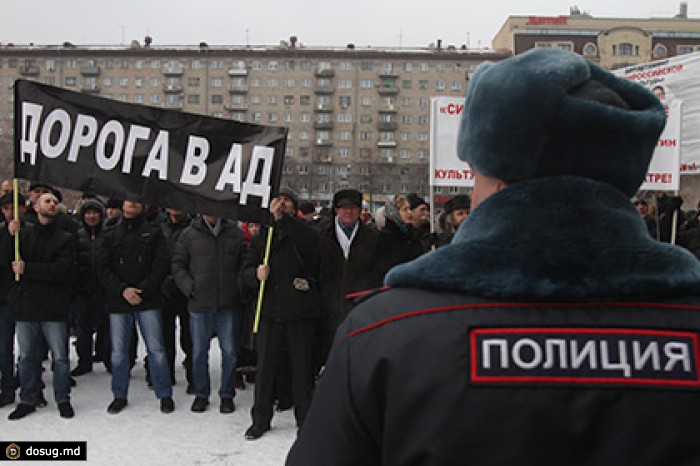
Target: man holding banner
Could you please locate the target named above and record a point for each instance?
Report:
(290, 308)
(40, 301)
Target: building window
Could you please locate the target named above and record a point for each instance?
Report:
(70, 63)
(660, 51)
(344, 118)
(193, 99)
(71, 81)
(345, 84)
(366, 101)
(440, 85)
(366, 84)
(365, 118)
(345, 65)
(123, 82)
(272, 65)
(624, 49)
(421, 153)
(195, 64)
(344, 136)
(288, 100)
(590, 50)
(344, 101)
(193, 82)
(290, 64)
(423, 84)
(366, 66)
(365, 135)
(217, 99)
(217, 82)
(290, 82)
(255, 100)
(424, 67)
(685, 49)
(155, 98)
(272, 99)
(305, 83)
(456, 85)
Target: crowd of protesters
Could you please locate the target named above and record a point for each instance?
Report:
(118, 269)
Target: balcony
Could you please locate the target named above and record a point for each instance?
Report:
(323, 142)
(174, 105)
(386, 144)
(388, 90)
(325, 72)
(324, 89)
(387, 126)
(173, 69)
(90, 70)
(324, 108)
(172, 88)
(90, 89)
(236, 107)
(26, 70)
(237, 72)
(322, 158)
(323, 125)
(238, 90)
(387, 109)
(388, 74)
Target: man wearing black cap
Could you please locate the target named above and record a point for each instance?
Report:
(553, 330)
(456, 211)
(420, 220)
(351, 258)
(290, 308)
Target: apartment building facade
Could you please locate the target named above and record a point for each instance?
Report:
(357, 117)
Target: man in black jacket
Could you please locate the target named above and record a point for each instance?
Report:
(7, 323)
(133, 265)
(40, 303)
(552, 330)
(90, 299)
(290, 308)
(207, 260)
(174, 302)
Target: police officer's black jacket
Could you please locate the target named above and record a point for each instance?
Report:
(44, 290)
(294, 254)
(207, 268)
(134, 255)
(558, 336)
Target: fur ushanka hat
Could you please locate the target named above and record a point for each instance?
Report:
(549, 112)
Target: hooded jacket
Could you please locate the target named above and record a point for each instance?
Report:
(541, 337)
(90, 241)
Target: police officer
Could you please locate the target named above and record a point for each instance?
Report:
(553, 330)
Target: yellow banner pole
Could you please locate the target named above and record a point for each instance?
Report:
(261, 292)
(15, 205)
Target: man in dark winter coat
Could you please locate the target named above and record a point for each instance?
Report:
(456, 211)
(207, 260)
(7, 323)
(352, 255)
(133, 265)
(290, 308)
(90, 302)
(174, 302)
(40, 303)
(553, 330)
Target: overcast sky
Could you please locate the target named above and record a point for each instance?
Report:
(266, 22)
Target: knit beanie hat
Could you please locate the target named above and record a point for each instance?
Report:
(549, 112)
(414, 200)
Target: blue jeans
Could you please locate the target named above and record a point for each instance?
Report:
(203, 326)
(29, 337)
(121, 330)
(7, 351)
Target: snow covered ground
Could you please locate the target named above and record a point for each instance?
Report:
(142, 435)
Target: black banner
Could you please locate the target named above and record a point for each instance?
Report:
(167, 158)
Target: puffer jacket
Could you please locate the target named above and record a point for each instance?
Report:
(206, 268)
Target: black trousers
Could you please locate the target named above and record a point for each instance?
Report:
(297, 337)
(175, 307)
